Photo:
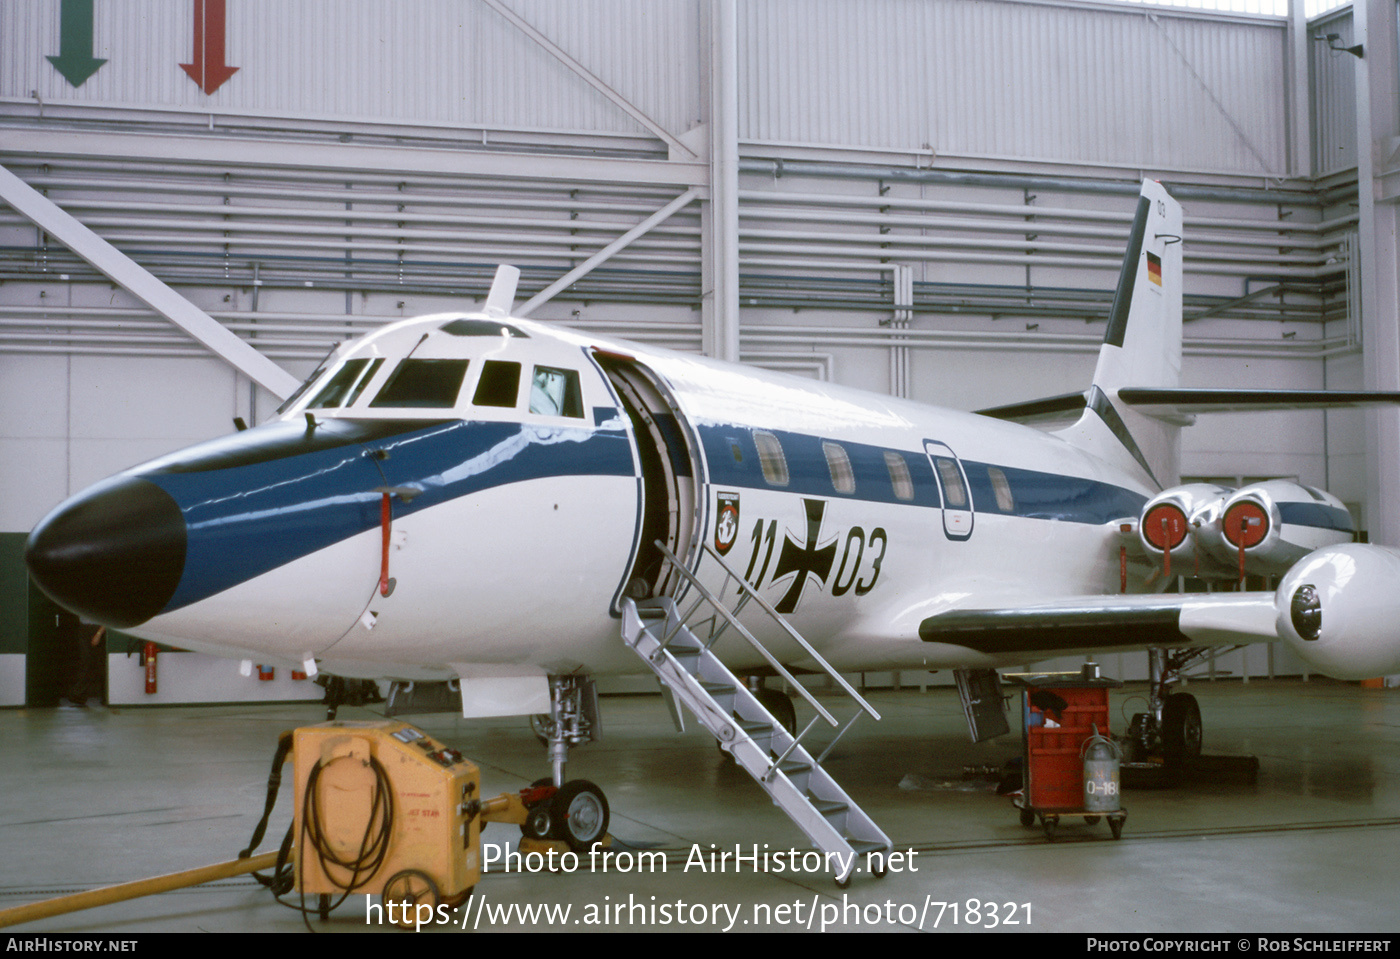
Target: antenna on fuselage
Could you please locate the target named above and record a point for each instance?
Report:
(502, 296)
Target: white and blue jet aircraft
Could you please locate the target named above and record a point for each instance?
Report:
(474, 498)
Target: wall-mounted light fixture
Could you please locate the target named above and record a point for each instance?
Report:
(1334, 42)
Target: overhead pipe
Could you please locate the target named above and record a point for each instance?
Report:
(779, 168)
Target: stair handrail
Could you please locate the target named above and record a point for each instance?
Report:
(778, 618)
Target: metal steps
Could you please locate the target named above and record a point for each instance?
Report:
(682, 659)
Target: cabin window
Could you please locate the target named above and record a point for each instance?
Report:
(843, 478)
(499, 384)
(423, 384)
(950, 477)
(900, 479)
(1005, 501)
(555, 392)
(345, 386)
(771, 458)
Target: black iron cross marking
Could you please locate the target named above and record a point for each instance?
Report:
(805, 560)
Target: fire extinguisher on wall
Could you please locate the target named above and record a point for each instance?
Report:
(148, 655)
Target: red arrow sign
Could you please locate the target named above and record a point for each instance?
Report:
(209, 68)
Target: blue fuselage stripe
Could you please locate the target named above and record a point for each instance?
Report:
(1318, 515)
(733, 461)
(249, 519)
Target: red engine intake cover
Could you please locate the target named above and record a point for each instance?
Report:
(1245, 521)
(1164, 526)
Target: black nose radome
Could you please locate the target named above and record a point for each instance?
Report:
(113, 554)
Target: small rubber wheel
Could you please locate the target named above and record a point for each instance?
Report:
(408, 889)
(1049, 824)
(844, 883)
(1091, 820)
(1116, 827)
(539, 823)
(1027, 818)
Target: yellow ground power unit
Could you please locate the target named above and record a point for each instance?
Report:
(383, 808)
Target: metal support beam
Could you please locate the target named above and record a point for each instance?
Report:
(352, 158)
(677, 147)
(1377, 127)
(588, 265)
(137, 281)
(1297, 86)
(721, 235)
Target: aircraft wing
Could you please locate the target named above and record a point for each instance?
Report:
(1105, 622)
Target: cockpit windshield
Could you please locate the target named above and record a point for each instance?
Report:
(431, 384)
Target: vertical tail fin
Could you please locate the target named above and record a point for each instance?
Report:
(1141, 348)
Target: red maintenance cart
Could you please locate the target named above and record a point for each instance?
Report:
(1061, 713)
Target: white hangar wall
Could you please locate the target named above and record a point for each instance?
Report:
(931, 199)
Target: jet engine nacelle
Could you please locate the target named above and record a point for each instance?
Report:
(1278, 522)
(1169, 521)
(1339, 609)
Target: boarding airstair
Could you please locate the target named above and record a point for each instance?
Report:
(678, 647)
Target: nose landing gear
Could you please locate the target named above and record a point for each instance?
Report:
(576, 812)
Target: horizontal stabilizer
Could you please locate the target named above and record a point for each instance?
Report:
(1183, 402)
(1051, 407)
(1106, 622)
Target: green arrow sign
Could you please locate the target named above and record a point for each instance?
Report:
(75, 60)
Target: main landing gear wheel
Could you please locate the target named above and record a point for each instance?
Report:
(1181, 729)
(580, 813)
(780, 705)
(409, 889)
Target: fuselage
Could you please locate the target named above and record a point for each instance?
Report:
(466, 495)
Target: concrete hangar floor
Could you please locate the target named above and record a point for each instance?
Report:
(98, 796)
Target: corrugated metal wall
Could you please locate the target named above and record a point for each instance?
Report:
(1036, 81)
(1032, 81)
(1333, 96)
(410, 61)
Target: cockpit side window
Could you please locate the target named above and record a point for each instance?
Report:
(340, 385)
(556, 392)
(499, 384)
(423, 384)
(290, 401)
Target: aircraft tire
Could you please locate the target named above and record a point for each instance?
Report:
(780, 705)
(1181, 729)
(580, 813)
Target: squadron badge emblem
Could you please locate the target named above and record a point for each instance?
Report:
(727, 522)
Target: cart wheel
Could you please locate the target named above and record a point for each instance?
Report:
(845, 883)
(538, 824)
(1116, 825)
(459, 900)
(1091, 820)
(884, 867)
(1048, 824)
(409, 888)
(1027, 818)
